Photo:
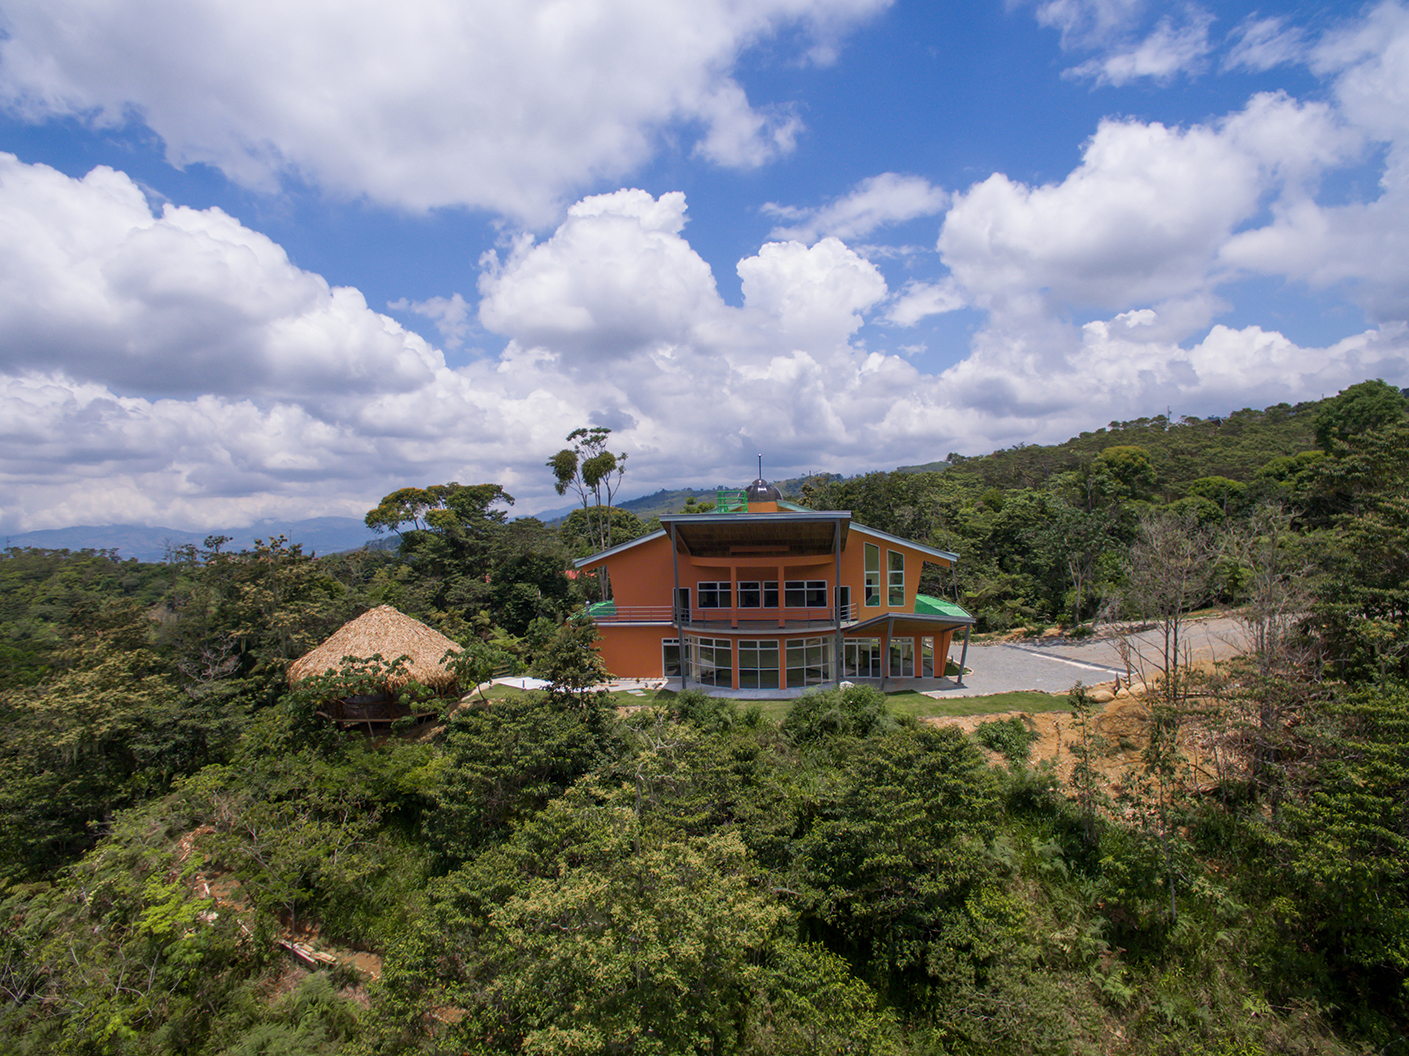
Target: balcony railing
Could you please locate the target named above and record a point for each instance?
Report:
(817, 615)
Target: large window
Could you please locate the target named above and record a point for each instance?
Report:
(873, 575)
(895, 580)
(713, 595)
(809, 661)
(805, 594)
(902, 658)
(861, 658)
(758, 664)
(711, 661)
(754, 594)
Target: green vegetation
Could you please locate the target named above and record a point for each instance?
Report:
(570, 872)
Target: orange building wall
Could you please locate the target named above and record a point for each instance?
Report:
(643, 577)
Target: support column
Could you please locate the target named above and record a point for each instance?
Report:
(675, 618)
(964, 655)
(836, 606)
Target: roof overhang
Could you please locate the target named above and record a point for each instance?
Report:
(928, 551)
(814, 533)
(601, 555)
(909, 623)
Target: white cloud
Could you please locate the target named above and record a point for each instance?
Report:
(500, 104)
(1170, 49)
(94, 285)
(613, 319)
(1088, 23)
(875, 202)
(176, 368)
(1146, 215)
(451, 315)
(1263, 43)
(919, 300)
(1369, 62)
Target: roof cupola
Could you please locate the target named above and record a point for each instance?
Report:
(760, 490)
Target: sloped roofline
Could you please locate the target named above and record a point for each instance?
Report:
(943, 555)
(602, 554)
(856, 526)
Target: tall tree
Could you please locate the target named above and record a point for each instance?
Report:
(449, 532)
(594, 474)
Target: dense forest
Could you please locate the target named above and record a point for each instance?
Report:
(567, 871)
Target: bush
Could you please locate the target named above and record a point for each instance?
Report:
(1011, 738)
(702, 711)
(856, 711)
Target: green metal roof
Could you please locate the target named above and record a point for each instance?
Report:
(601, 608)
(925, 605)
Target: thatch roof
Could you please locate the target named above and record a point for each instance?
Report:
(391, 633)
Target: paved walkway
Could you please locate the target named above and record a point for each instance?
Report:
(1048, 665)
(1054, 665)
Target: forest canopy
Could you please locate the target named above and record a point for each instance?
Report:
(573, 871)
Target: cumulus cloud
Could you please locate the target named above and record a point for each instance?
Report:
(173, 366)
(1146, 215)
(505, 104)
(919, 300)
(186, 302)
(612, 319)
(451, 315)
(875, 202)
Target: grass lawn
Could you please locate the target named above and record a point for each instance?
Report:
(900, 703)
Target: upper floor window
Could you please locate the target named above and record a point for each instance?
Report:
(873, 574)
(714, 595)
(895, 578)
(755, 594)
(805, 594)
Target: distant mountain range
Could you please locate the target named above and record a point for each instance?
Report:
(322, 535)
(319, 535)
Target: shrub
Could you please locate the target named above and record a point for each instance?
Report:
(855, 711)
(1011, 738)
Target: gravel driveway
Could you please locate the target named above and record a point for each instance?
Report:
(1054, 665)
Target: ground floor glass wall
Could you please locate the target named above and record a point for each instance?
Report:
(711, 661)
(809, 661)
(758, 664)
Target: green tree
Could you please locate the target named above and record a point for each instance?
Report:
(1362, 408)
(594, 474)
(577, 936)
(454, 530)
(572, 664)
(1130, 466)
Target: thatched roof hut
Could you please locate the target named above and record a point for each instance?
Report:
(391, 634)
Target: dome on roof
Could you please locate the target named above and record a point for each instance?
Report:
(761, 491)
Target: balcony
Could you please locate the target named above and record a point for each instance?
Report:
(742, 619)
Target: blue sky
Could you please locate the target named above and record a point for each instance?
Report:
(276, 261)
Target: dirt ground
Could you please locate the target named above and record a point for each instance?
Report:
(1123, 724)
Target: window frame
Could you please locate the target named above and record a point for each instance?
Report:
(813, 593)
(873, 575)
(815, 654)
(766, 591)
(895, 588)
(758, 675)
(714, 594)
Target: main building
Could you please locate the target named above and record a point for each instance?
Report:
(762, 594)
